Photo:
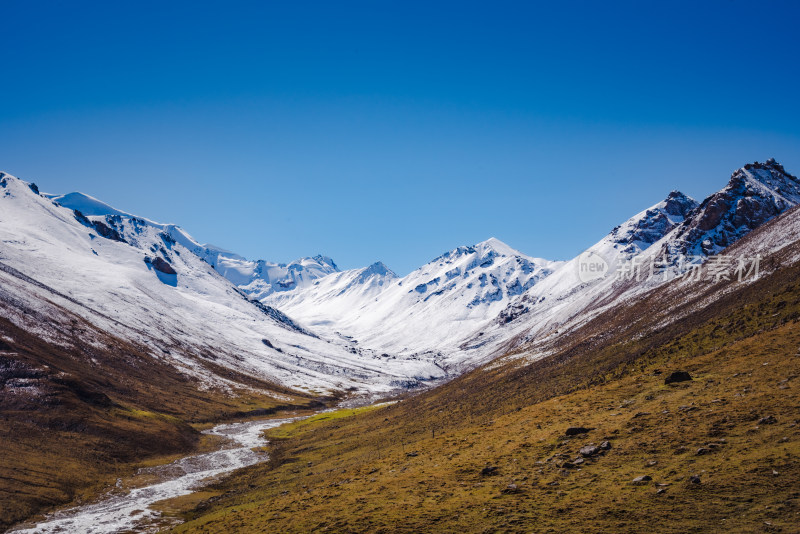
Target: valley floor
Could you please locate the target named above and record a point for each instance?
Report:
(127, 505)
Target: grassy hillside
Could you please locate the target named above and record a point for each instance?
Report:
(721, 450)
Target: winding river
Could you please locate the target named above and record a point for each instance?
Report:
(129, 511)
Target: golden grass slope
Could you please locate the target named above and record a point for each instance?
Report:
(351, 477)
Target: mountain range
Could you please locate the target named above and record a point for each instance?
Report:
(114, 315)
(311, 326)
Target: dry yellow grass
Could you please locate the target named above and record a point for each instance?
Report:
(338, 478)
(417, 466)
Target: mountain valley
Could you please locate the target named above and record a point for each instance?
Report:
(121, 339)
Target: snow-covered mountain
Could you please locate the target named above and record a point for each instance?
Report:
(566, 293)
(663, 234)
(256, 278)
(645, 228)
(426, 312)
(151, 284)
(755, 194)
(328, 299)
(309, 325)
(262, 278)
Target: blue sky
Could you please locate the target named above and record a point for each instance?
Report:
(395, 131)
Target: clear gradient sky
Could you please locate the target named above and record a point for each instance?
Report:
(395, 131)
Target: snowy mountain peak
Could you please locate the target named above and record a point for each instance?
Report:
(645, 228)
(483, 254)
(9, 181)
(678, 204)
(326, 261)
(624, 242)
(379, 268)
(755, 194)
(497, 246)
(376, 274)
(769, 174)
(86, 204)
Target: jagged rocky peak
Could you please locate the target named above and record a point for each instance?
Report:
(678, 205)
(769, 174)
(645, 228)
(755, 194)
(770, 165)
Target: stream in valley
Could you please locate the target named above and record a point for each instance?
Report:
(128, 510)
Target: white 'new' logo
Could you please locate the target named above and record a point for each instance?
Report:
(591, 266)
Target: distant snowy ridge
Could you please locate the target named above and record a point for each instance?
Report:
(257, 278)
(424, 314)
(261, 278)
(442, 302)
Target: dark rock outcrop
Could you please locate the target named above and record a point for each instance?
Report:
(81, 218)
(576, 430)
(677, 376)
(106, 231)
(160, 265)
(100, 227)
